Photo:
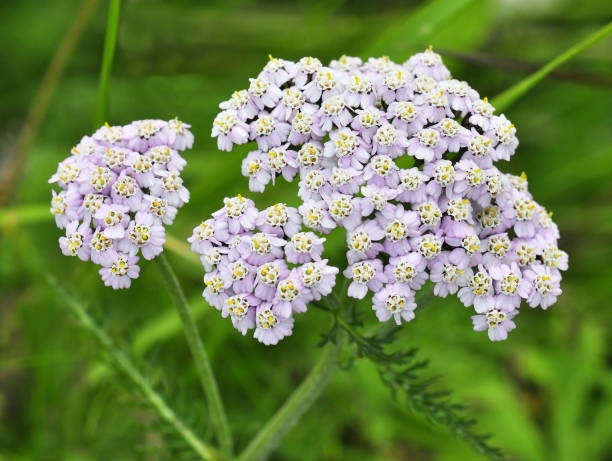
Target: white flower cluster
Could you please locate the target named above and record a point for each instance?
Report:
(260, 268)
(402, 156)
(119, 187)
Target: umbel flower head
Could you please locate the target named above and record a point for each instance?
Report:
(260, 267)
(403, 156)
(119, 188)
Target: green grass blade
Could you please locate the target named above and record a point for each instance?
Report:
(110, 42)
(125, 365)
(509, 96)
(415, 29)
(12, 169)
(23, 214)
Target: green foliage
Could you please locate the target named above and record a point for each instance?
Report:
(123, 363)
(403, 373)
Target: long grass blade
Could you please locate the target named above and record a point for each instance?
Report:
(512, 94)
(416, 28)
(12, 168)
(110, 43)
(125, 365)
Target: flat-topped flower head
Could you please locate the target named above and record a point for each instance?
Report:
(403, 158)
(345, 142)
(120, 186)
(262, 275)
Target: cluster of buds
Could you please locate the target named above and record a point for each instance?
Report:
(260, 267)
(119, 187)
(402, 157)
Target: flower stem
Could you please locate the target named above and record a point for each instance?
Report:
(202, 364)
(125, 365)
(509, 96)
(110, 42)
(297, 404)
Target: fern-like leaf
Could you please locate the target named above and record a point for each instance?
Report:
(403, 373)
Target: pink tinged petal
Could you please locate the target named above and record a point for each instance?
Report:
(299, 306)
(406, 315)
(383, 314)
(150, 251)
(496, 272)
(114, 232)
(441, 290)
(524, 229)
(534, 299)
(466, 296)
(497, 333)
(283, 309)
(483, 303)
(479, 322)
(357, 290)
(547, 301)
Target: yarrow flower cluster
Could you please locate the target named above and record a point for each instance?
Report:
(403, 157)
(119, 187)
(261, 268)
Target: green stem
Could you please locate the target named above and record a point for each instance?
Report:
(202, 364)
(509, 96)
(297, 404)
(124, 364)
(110, 42)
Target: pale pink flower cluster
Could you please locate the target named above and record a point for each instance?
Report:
(403, 157)
(119, 188)
(261, 268)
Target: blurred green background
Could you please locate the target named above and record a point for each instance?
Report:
(545, 394)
